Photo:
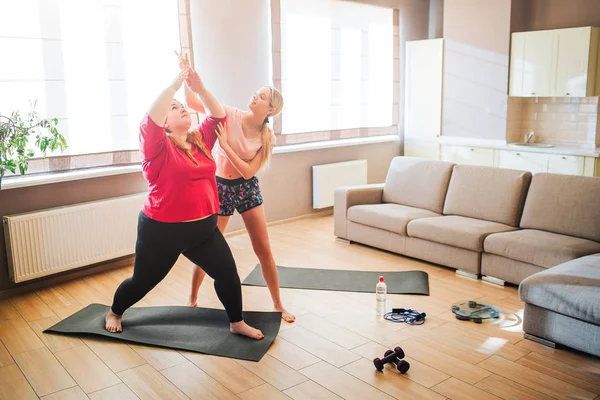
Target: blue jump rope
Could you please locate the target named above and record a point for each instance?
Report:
(405, 315)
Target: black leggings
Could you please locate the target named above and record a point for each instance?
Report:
(158, 247)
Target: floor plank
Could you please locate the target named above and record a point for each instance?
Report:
(441, 361)
(222, 369)
(56, 297)
(576, 359)
(90, 373)
(567, 373)
(533, 379)
(291, 355)
(158, 357)
(262, 392)
(5, 357)
(324, 349)
(148, 383)
(44, 372)
(13, 385)
(342, 383)
(390, 381)
(274, 372)
(418, 372)
(456, 389)
(120, 392)
(196, 384)
(74, 393)
(55, 342)
(18, 337)
(330, 331)
(8, 311)
(31, 307)
(310, 391)
(116, 356)
(509, 390)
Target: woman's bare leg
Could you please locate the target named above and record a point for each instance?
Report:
(256, 225)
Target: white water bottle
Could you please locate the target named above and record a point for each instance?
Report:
(381, 292)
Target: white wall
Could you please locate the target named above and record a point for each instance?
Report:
(232, 47)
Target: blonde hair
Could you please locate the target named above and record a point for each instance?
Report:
(195, 139)
(276, 101)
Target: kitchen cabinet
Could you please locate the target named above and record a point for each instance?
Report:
(468, 155)
(553, 63)
(423, 97)
(570, 165)
(577, 53)
(540, 162)
(522, 160)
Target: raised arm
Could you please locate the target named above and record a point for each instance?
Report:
(207, 103)
(210, 103)
(159, 110)
(152, 134)
(246, 168)
(193, 101)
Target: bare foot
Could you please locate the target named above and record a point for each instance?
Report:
(192, 302)
(285, 315)
(241, 328)
(113, 322)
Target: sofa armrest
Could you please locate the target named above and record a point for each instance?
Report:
(348, 196)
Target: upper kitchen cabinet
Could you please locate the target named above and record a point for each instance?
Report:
(553, 63)
(577, 61)
(532, 63)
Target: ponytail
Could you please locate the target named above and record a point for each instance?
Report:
(266, 135)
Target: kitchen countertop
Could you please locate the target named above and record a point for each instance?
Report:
(562, 149)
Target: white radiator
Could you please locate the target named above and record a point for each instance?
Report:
(327, 177)
(50, 241)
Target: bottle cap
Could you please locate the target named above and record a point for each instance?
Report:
(381, 279)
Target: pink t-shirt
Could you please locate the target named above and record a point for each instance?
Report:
(245, 148)
(178, 189)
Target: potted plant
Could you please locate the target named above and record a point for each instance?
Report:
(15, 132)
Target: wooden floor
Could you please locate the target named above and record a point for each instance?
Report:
(326, 354)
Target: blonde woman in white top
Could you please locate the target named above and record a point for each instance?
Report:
(244, 147)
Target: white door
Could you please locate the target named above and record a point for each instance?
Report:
(538, 64)
(423, 89)
(572, 61)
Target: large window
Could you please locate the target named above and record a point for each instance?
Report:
(337, 65)
(96, 65)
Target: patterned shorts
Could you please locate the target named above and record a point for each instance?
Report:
(239, 194)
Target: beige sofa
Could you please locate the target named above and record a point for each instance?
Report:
(485, 221)
(541, 232)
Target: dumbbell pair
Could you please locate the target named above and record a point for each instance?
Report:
(395, 357)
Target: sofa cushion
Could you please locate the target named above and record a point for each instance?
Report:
(417, 182)
(492, 194)
(389, 217)
(544, 249)
(564, 204)
(571, 289)
(463, 232)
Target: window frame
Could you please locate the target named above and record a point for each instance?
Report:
(283, 139)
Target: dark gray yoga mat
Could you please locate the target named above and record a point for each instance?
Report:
(398, 282)
(203, 330)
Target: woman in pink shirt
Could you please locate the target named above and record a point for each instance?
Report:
(244, 147)
(179, 215)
